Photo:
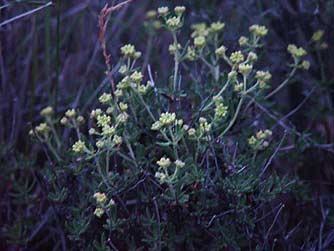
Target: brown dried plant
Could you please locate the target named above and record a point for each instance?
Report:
(104, 18)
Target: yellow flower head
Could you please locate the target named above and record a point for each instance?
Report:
(79, 147)
(136, 77)
(128, 50)
(103, 120)
(306, 64)
(258, 30)
(167, 118)
(199, 42)
(101, 198)
(164, 162)
(42, 128)
(173, 23)
(105, 98)
(179, 10)
(245, 69)
(220, 52)
(151, 14)
(163, 11)
(217, 27)
(317, 36)
(236, 57)
(179, 164)
(47, 111)
(295, 51)
(243, 41)
(99, 212)
(70, 113)
(200, 29)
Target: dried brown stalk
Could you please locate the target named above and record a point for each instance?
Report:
(104, 18)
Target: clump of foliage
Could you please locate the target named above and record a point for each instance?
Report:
(176, 164)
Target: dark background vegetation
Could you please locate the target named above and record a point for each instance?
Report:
(54, 57)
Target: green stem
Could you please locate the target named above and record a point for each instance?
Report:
(146, 106)
(176, 61)
(107, 161)
(236, 112)
(286, 81)
(252, 88)
(55, 135)
(130, 148)
(54, 152)
(174, 143)
(218, 94)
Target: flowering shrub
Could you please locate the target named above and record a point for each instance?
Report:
(177, 164)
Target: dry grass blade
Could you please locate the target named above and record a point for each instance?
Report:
(25, 14)
(104, 18)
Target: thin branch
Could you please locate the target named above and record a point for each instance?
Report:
(273, 155)
(25, 14)
(104, 18)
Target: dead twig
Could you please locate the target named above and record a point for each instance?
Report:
(104, 18)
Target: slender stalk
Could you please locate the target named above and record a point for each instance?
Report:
(107, 161)
(176, 61)
(55, 135)
(236, 112)
(57, 60)
(54, 152)
(145, 105)
(174, 143)
(218, 94)
(282, 84)
(47, 44)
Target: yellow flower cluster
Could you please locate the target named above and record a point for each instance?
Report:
(103, 120)
(179, 10)
(220, 52)
(42, 129)
(163, 11)
(129, 51)
(258, 30)
(245, 69)
(173, 23)
(105, 98)
(263, 77)
(136, 77)
(101, 198)
(179, 164)
(220, 110)
(70, 113)
(216, 27)
(204, 125)
(108, 130)
(122, 118)
(259, 141)
(98, 212)
(317, 36)
(199, 41)
(191, 53)
(47, 111)
(200, 29)
(243, 41)
(295, 51)
(79, 147)
(238, 87)
(166, 119)
(164, 162)
(172, 48)
(236, 57)
(252, 57)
